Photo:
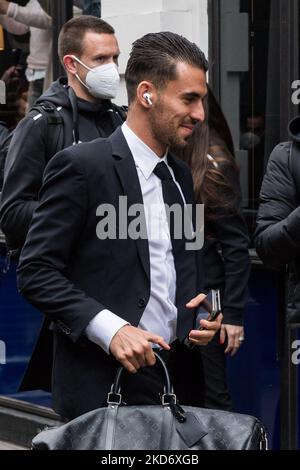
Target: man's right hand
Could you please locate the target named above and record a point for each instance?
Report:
(132, 347)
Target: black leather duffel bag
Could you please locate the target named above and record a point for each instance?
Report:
(165, 427)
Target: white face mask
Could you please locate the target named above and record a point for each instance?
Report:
(101, 81)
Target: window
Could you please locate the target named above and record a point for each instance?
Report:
(258, 56)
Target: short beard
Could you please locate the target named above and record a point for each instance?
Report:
(169, 138)
(177, 144)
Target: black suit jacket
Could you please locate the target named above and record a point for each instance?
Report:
(69, 274)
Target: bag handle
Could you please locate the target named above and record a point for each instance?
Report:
(114, 397)
(116, 387)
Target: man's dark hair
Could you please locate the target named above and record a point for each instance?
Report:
(154, 57)
(71, 36)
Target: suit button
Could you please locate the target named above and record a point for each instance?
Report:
(142, 303)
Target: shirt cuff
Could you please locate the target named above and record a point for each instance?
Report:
(103, 327)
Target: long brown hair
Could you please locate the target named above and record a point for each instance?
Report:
(211, 185)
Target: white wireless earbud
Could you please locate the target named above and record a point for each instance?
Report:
(147, 97)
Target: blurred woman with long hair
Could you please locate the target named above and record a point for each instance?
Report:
(210, 155)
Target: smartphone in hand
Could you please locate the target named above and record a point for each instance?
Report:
(209, 308)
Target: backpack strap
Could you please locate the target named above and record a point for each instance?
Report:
(118, 114)
(74, 106)
(54, 127)
(294, 165)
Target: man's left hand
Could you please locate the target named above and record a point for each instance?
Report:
(203, 337)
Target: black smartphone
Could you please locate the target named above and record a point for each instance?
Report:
(208, 310)
(210, 307)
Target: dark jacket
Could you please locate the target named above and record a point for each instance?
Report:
(4, 132)
(70, 274)
(27, 156)
(277, 235)
(226, 255)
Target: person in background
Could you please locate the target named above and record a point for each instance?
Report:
(13, 110)
(226, 258)
(16, 100)
(88, 49)
(78, 9)
(277, 234)
(86, 45)
(31, 17)
(10, 114)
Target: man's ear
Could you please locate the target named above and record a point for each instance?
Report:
(69, 64)
(146, 94)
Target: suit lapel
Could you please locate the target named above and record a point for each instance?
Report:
(126, 171)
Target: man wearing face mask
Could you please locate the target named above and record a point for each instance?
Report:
(77, 106)
(77, 109)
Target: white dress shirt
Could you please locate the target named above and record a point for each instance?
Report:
(160, 314)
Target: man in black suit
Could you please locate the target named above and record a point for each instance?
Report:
(113, 296)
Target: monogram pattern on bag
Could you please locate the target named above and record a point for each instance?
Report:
(140, 428)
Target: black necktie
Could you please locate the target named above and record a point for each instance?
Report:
(184, 260)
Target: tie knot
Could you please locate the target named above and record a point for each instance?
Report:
(162, 171)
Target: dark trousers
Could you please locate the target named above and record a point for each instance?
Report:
(184, 365)
(215, 378)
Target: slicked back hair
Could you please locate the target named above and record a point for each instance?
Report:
(71, 36)
(154, 57)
